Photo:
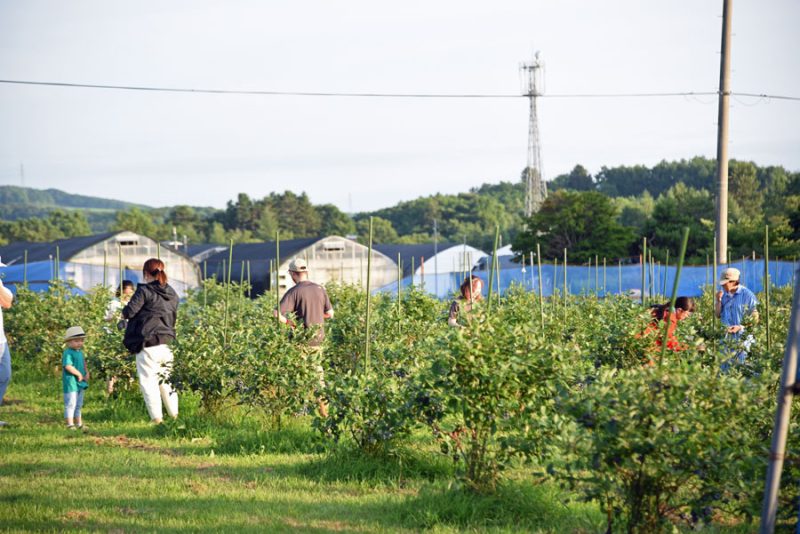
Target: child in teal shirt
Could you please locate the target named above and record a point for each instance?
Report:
(74, 376)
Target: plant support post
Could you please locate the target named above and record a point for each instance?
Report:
(366, 333)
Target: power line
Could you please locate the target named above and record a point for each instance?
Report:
(388, 95)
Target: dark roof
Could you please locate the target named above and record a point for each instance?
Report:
(263, 251)
(67, 248)
(201, 251)
(407, 252)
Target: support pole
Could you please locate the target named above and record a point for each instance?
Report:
(785, 395)
(667, 321)
(366, 333)
(643, 261)
(121, 274)
(541, 294)
(277, 276)
(491, 272)
(227, 294)
(766, 285)
(722, 133)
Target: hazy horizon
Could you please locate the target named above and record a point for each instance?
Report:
(361, 154)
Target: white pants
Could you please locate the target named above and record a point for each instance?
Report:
(153, 367)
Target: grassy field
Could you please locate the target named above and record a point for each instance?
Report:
(229, 474)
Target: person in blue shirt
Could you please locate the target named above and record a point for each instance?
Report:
(735, 303)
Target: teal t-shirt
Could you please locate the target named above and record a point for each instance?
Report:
(74, 358)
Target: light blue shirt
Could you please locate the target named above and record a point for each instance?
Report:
(734, 306)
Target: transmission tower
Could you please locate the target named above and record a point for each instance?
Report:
(536, 188)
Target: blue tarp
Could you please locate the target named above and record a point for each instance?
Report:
(39, 275)
(582, 279)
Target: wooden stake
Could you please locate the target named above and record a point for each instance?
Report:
(667, 322)
(366, 335)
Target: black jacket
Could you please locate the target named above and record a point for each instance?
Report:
(151, 315)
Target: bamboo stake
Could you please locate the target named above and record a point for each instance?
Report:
(249, 283)
(744, 272)
(604, 276)
(497, 271)
(643, 260)
(121, 274)
(667, 321)
(596, 275)
(227, 293)
(491, 272)
(619, 276)
(399, 300)
(205, 284)
(553, 299)
(471, 296)
(766, 284)
(412, 272)
(531, 262)
(541, 295)
(277, 276)
(566, 288)
(58, 263)
(25, 270)
(105, 267)
(366, 336)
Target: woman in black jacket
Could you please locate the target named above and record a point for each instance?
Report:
(151, 315)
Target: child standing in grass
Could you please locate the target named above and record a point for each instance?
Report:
(74, 376)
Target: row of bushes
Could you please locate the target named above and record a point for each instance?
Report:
(559, 385)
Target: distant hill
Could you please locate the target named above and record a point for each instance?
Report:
(25, 202)
(15, 197)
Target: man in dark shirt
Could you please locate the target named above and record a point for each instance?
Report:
(309, 303)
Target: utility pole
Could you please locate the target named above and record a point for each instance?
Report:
(722, 133)
(536, 189)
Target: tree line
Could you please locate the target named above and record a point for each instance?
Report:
(606, 214)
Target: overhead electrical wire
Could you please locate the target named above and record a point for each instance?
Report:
(389, 95)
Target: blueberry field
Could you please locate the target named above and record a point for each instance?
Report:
(540, 415)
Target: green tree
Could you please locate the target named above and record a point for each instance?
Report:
(334, 221)
(679, 207)
(744, 188)
(583, 222)
(634, 212)
(296, 216)
(382, 231)
(135, 220)
(578, 179)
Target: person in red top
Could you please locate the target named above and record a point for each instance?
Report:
(684, 307)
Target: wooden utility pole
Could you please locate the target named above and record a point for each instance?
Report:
(722, 133)
(786, 393)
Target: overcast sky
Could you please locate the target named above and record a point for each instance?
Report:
(360, 153)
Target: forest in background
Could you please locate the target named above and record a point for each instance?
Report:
(605, 214)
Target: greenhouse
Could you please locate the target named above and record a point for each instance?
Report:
(102, 259)
(330, 259)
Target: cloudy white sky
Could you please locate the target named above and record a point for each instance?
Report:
(361, 154)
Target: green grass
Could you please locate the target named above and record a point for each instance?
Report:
(232, 474)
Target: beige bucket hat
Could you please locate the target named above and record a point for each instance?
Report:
(74, 332)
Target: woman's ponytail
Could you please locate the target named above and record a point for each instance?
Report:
(155, 268)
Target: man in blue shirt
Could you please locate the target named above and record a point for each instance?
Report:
(733, 304)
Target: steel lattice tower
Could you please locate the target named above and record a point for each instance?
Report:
(536, 188)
